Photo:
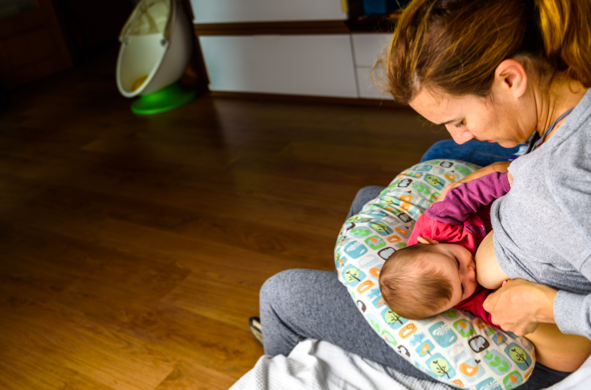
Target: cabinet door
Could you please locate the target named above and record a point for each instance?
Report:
(233, 11)
(319, 65)
(367, 48)
(369, 88)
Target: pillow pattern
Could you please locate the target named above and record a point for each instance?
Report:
(454, 347)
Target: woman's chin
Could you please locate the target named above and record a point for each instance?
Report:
(506, 144)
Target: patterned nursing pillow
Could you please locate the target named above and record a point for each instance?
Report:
(454, 347)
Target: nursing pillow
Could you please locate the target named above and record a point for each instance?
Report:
(454, 347)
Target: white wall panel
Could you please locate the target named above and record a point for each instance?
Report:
(367, 88)
(320, 65)
(232, 11)
(368, 47)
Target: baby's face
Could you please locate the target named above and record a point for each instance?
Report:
(457, 264)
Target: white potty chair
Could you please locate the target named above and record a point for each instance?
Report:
(156, 48)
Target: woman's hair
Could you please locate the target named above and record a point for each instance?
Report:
(412, 288)
(454, 46)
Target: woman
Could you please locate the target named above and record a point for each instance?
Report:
(497, 71)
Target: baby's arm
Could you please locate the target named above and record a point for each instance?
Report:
(488, 272)
(465, 199)
(500, 166)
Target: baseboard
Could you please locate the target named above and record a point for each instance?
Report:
(310, 99)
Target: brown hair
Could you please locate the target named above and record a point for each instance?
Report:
(410, 287)
(454, 46)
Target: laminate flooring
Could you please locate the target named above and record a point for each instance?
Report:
(133, 247)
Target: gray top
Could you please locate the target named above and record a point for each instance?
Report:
(543, 225)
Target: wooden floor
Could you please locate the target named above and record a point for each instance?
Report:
(133, 248)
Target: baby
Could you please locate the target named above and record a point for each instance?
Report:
(437, 271)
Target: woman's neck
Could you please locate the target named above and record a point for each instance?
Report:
(562, 95)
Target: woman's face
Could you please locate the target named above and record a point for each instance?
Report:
(502, 119)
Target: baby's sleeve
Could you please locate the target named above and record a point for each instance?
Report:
(438, 231)
(474, 304)
(464, 200)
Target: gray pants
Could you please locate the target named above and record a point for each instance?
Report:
(302, 303)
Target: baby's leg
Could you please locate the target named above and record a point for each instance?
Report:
(489, 273)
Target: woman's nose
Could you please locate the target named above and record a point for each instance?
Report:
(460, 136)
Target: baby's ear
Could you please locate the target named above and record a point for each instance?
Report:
(425, 240)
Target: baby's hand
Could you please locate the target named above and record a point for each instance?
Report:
(510, 178)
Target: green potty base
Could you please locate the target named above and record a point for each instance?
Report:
(168, 98)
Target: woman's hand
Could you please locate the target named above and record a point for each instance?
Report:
(520, 306)
(500, 166)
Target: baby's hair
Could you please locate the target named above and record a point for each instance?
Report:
(411, 287)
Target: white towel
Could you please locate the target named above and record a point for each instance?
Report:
(319, 365)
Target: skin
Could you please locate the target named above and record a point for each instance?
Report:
(514, 109)
(492, 276)
(517, 106)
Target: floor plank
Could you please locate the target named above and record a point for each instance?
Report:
(134, 247)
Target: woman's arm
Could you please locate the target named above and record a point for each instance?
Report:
(520, 306)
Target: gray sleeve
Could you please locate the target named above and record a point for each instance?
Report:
(572, 313)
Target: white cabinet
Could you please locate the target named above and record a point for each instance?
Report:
(367, 87)
(317, 65)
(236, 11)
(367, 48)
(332, 65)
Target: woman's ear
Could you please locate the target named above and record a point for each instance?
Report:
(425, 240)
(510, 77)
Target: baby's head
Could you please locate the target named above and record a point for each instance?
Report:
(428, 278)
